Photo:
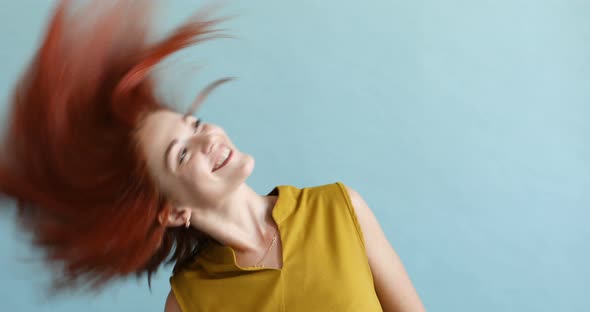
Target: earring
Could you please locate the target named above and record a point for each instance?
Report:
(188, 223)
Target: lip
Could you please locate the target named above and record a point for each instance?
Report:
(231, 153)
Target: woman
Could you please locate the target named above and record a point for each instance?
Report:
(111, 183)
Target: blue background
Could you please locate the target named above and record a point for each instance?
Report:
(464, 125)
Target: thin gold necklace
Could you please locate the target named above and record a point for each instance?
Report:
(272, 243)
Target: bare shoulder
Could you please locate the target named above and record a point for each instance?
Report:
(171, 303)
(372, 232)
(363, 213)
(392, 283)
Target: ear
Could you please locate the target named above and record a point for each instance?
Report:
(178, 216)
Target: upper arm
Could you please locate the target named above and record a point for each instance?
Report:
(171, 303)
(392, 283)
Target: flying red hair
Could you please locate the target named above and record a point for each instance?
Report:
(70, 157)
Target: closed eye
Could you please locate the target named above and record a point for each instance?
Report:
(196, 125)
(182, 155)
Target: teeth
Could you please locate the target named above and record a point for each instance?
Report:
(224, 156)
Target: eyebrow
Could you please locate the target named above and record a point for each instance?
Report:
(166, 156)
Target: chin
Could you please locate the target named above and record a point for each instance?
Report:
(243, 170)
(248, 167)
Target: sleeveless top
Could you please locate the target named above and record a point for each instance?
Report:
(325, 266)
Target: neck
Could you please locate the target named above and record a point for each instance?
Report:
(243, 221)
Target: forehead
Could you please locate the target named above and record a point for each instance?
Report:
(156, 132)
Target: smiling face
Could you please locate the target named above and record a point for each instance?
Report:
(194, 163)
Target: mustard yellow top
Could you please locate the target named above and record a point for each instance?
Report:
(325, 267)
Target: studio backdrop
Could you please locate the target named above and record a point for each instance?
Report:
(465, 125)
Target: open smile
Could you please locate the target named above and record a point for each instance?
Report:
(224, 159)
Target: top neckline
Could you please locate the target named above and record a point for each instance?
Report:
(220, 258)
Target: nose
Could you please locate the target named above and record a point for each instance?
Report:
(206, 139)
(201, 143)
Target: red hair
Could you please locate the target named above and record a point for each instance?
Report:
(70, 157)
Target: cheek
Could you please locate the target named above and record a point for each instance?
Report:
(195, 171)
(193, 182)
